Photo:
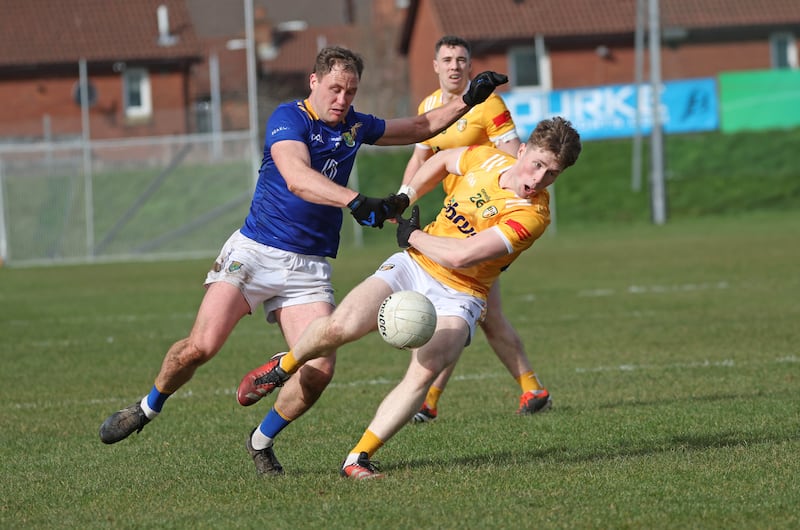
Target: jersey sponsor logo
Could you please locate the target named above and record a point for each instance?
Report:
(276, 130)
(501, 119)
(461, 223)
(386, 267)
(350, 136)
(461, 124)
(521, 231)
(330, 168)
(491, 211)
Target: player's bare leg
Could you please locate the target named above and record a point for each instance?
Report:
(507, 345)
(303, 390)
(314, 331)
(350, 321)
(355, 316)
(404, 400)
(221, 309)
(502, 337)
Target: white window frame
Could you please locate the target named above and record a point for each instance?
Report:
(783, 45)
(139, 79)
(542, 58)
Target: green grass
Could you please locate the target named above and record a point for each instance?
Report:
(671, 353)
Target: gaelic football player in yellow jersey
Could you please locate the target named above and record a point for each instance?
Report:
(489, 123)
(454, 261)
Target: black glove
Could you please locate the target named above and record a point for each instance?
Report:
(405, 227)
(397, 204)
(369, 211)
(482, 86)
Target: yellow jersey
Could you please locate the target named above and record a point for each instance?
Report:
(477, 203)
(487, 123)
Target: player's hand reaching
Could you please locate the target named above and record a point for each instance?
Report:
(373, 212)
(369, 211)
(397, 204)
(405, 227)
(482, 86)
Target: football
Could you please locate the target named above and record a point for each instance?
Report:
(406, 319)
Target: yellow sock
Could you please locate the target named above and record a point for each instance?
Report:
(289, 363)
(529, 382)
(369, 443)
(432, 399)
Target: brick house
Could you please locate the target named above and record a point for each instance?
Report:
(138, 55)
(147, 80)
(557, 44)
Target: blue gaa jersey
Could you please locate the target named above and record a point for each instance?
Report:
(281, 219)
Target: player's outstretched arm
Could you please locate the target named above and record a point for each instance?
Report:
(403, 131)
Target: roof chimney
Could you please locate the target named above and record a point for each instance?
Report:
(164, 36)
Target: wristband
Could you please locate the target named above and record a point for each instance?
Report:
(410, 192)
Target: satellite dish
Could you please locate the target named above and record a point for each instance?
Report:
(91, 92)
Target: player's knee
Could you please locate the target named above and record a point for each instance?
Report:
(338, 332)
(192, 353)
(315, 377)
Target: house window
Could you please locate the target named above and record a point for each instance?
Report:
(530, 66)
(783, 50)
(136, 93)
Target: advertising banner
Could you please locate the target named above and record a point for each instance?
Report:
(688, 105)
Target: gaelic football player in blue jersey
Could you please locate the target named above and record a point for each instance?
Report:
(278, 258)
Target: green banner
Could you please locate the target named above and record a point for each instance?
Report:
(759, 100)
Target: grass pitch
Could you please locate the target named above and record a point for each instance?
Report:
(671, 353)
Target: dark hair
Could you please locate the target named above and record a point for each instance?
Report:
(332, 56)
(452, 40)
(558, 136)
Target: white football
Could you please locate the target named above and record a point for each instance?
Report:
(406, 319)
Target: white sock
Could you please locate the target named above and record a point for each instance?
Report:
(352, 458)
(260, 441)
(150, 413)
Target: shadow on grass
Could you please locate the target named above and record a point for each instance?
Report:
(677, 443)
(711, 398)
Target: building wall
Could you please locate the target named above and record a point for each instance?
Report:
(576, 68)
(422, 80)
(579, 65)
(34, 105)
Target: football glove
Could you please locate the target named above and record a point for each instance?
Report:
(369, 211)
(482, 86)
(397, 204)
(405, 227)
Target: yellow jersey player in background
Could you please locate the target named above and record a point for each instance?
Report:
(490, 124)
(495, 211)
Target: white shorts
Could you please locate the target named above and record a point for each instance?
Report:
(271, 276)
(403, 273)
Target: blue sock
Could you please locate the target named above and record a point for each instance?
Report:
(156, 399)
(273, 424)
